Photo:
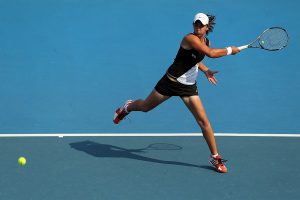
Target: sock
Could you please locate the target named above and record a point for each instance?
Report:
(214, 156)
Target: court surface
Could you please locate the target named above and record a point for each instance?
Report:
(66, 65)
(113, 168)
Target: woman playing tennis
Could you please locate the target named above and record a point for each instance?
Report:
(180, 80)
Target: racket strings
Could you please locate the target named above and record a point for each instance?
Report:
(274, 39)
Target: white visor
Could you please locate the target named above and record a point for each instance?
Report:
(203, 18)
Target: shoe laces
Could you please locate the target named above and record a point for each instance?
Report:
(221, 161)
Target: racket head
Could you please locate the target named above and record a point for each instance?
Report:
(272, 39)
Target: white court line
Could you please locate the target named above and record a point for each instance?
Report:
(146, 135)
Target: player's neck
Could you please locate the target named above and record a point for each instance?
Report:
(200, 36)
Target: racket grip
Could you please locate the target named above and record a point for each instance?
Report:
(243, 47)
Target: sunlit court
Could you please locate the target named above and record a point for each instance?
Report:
(138, 100)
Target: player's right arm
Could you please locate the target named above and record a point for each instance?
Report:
(193, 42)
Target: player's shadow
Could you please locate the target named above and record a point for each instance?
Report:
(110, 151)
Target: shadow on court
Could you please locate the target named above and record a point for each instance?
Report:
(106, 150)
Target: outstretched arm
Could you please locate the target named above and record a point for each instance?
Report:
(193, 42)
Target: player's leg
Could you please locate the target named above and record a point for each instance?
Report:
(196, 107)
(153, 100)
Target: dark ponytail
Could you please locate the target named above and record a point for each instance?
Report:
(211, 23)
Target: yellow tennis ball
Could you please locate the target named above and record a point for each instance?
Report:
(22, 161)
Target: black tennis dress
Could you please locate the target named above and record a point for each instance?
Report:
(180, 78)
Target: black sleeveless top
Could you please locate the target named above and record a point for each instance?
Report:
(184, 61)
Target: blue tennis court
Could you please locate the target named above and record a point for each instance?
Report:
(65, 66)
(111, 168)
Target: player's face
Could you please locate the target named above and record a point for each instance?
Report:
(199, 28)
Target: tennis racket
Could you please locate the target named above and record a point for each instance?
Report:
(272, 39)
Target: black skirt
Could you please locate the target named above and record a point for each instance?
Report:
(167, 87)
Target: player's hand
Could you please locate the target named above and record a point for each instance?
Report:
(235, 50)
(210, 75)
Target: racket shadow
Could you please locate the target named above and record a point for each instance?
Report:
(111, 151)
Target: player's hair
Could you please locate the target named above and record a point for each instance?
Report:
(211, 23)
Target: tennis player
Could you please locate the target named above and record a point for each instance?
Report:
(180, 80)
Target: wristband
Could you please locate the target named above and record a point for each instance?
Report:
(229, 51)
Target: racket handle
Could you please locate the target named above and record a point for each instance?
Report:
(243, 47)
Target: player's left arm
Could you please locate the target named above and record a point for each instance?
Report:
(202, 67)
(210, 75)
